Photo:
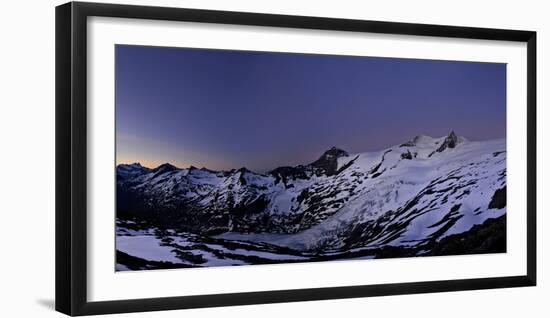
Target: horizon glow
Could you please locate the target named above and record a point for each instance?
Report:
(223, 109)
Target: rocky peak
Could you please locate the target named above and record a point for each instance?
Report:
(332, 154)
(243, 170)
(328, 162)
(450, 142)
(165, 167)
(452, 137)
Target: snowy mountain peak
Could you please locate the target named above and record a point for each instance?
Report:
(129, 170)
(135, 165)
(419, 139)
(449, 141)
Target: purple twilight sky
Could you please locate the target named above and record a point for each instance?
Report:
(225, 109)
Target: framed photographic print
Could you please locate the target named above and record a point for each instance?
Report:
(209, 158)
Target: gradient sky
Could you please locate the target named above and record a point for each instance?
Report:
(225, 109)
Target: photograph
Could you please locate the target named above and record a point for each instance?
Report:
(234, 157)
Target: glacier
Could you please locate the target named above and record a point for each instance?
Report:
(422, 197)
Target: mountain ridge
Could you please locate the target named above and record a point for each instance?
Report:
(408, 194)
(326, 155)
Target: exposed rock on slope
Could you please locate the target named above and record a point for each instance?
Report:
(407, 196)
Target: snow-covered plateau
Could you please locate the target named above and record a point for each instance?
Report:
(427, 196)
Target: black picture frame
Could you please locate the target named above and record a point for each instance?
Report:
(71, 157)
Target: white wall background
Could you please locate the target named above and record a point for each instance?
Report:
(27, 157)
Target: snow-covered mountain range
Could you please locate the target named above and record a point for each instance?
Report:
(415, 198)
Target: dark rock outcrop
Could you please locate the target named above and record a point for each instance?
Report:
(407, 155)
(327, 164)
(498, 201)
(488, 237)
(286, 173)
(450, 142)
